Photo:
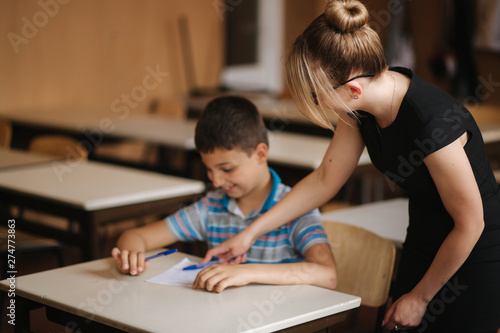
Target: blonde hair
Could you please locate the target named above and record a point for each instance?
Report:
(336, 44)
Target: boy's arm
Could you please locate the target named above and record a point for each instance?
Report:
(129, 253)
(318, 269)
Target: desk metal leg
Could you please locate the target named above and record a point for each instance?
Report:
(23, 308)
(89, 233)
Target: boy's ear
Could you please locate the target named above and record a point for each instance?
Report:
(261, 152)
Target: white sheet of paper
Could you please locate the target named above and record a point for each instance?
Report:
(176, 276)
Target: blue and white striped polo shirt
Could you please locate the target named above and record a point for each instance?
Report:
(217, 217)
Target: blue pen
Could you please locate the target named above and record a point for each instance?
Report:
(198, 266)
(164, 253)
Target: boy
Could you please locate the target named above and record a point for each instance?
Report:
(232, 141)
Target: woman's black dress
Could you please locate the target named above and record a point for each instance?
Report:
(428, 120)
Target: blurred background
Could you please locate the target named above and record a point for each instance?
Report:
(116, 59)
(89, 53)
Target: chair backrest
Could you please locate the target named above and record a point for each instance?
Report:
(365, 262)
(497, 177)
(58, 145)
(5, 133)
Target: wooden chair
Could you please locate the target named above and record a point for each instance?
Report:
(58, 145)
(365, 263)
(5, 133)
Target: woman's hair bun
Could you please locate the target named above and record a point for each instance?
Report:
(346, 16)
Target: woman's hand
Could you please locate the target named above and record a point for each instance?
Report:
(129, 262)
(216, 278)
(407, 312)
(234, 248)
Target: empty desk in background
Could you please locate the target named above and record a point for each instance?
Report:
(290, 149)
(179, 133)
(300, 150)
(388, 218)
(270, 108)
(91, 193)
(278, 114)
(10, 158)
(97, 291)
(28, 123)
(161, 130)
(293, 150)
(108, 123)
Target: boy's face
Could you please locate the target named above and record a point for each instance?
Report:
(234, 170)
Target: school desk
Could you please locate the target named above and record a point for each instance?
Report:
(294, 150)
(28, 123)
(156, 129)
(99, 295)
(92, 127)
(300, 150)
(92, 194)
(271, 109)
(285, 148)
(388, 218)
(106, 121)
(10, 158)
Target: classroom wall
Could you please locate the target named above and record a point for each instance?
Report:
(91, 52)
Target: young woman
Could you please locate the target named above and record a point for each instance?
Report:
(424, 141)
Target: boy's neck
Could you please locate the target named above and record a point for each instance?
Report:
(258, 196)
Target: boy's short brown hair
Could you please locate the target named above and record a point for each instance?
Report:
(230, 122)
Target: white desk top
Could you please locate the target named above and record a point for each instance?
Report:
(14, 158)
(290, 148)
(92, 186)
(487, 117)
(299, 150)
(96, 290)
(286, 148)
(388, 218)
(269, 107)
(157, 129)
(57, 117)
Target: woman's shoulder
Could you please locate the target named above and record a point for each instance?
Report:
(429, 102)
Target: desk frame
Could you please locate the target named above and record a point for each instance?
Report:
(63, 318)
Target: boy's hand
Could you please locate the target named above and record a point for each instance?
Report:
(219, 277)
(129, 262)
